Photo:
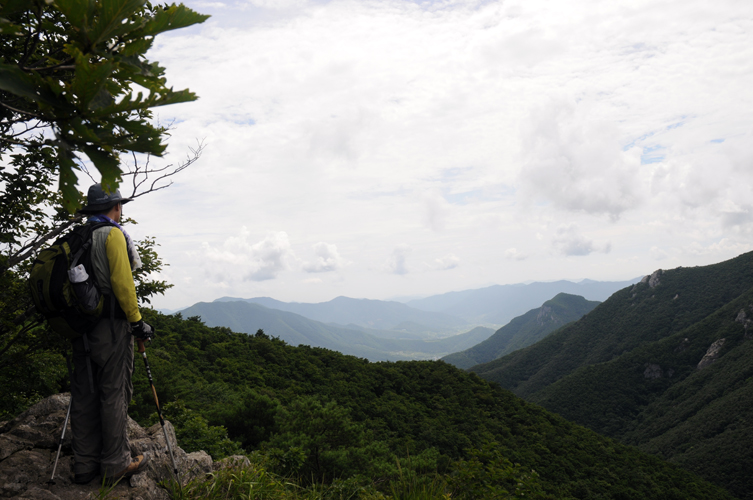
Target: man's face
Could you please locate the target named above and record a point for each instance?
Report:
(118, 213)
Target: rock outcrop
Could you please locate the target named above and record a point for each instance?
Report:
(28, 445)
(712, 353)
(747, 322)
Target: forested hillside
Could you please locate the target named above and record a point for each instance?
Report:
(524, 330)
(665, 365)
(321, 414)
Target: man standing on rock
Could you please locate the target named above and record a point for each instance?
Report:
(101, 387)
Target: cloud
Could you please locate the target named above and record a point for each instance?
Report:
(574, 160)
(278, 4)
(327, 259)
(436, 210)
(658, 253)
(514, 254)
(239, 259)
(397, 264)
(449, 261)
(569, 242)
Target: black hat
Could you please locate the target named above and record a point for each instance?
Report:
(98, 200)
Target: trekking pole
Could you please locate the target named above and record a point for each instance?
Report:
(65, 424)
(60, 445)
(142, 350)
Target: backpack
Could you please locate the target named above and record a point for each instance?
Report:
(62, 283)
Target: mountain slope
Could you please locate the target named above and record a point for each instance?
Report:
(665, 365)
(294, 329)
(265, 393)
(524, 330)
(631, 317)
(377, 314)
(499, 304)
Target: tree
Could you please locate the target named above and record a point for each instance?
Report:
(68, 73)
(76, 92)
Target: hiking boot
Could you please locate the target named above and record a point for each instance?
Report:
(85, 478)
(138, 465)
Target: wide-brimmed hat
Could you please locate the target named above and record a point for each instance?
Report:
(99, 200)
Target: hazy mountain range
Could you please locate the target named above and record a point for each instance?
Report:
(449, 312)
(498, 304)
(375, 345)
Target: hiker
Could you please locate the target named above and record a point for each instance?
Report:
(101, 386)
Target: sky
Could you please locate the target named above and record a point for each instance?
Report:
(385, 149)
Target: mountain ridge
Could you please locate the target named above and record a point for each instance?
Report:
(248, 317)
(665, 365)
(524, 330)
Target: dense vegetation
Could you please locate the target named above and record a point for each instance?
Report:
(524, 330)
(321, 415)
(630, 370)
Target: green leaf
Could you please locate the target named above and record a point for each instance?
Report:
(106, 163)
(89, 79)
(15, 81)
(110, 23)
(174, 17)
(68, 180)
(78, 12)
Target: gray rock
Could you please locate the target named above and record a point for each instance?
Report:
(652, 371)
(712, 354)
(653, 281)
(29, 442)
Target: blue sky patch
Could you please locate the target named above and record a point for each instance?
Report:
(653, 154)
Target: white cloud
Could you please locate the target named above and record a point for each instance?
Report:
(514, 254)
(449, 261)
(397, 263)
(238, 259)
(327, 259)
(569, 242)
(574, 160)
(436, 210)
(658, 253)
(459, 128)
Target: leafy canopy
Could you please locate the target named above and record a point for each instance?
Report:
(74, 76)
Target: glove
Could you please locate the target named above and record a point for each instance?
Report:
(142, 331)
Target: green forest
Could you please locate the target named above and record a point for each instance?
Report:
(321, 416)
(631, 370)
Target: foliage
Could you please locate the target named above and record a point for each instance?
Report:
(488, 474)
(67, 79)
(146, 286)
(70, 74)
(194, 433)
(327, 417)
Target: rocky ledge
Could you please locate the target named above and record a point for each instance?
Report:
(28, 445)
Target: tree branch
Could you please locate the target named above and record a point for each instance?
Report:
(30, 248)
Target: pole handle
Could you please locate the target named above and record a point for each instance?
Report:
(141, 349)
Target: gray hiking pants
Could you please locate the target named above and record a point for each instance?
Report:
(99, 418)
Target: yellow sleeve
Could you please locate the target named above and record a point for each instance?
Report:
(121, 278)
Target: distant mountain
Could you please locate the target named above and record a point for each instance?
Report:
(377, 314)
(498, 304)
(525, 330)
(666, 364)
(247, 317)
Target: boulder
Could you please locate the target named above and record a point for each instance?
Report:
(28, 446)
